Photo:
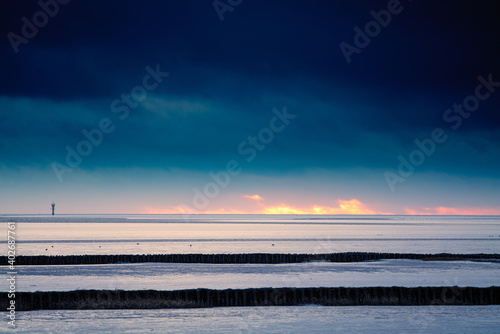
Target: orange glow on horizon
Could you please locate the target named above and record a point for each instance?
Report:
(345, 207)
(283, 210)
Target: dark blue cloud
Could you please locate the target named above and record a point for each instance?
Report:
(263, 55)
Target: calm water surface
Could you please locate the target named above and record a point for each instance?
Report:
(146, 234)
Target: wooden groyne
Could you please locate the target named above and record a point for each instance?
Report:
(152, 299)
(238, 258)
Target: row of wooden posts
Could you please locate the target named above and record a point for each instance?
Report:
(147, 299)
(235, 258)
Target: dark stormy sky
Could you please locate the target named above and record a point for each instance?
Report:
(246, 106)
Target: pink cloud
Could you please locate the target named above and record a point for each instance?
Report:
(254, 197)
(441, 210)
(184, 210)
(172, 210)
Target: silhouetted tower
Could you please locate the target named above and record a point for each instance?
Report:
(53, 207)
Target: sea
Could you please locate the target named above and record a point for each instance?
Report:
(230, 234)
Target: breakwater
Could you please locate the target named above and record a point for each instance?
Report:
(151, 299)
(238, 258)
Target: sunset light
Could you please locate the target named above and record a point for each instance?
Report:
(245, 166)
